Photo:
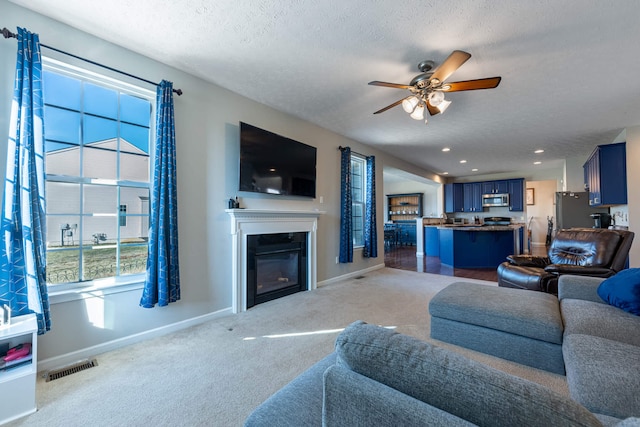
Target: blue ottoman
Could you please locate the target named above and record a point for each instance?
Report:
(518, 325)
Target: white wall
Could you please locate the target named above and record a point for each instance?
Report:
(633, 192)
(207, 137)
(543, 207)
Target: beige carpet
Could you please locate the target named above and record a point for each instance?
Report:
(216, 373)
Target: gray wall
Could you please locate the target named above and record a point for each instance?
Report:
(207, 134)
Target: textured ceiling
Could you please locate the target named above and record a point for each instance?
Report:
(569, 68)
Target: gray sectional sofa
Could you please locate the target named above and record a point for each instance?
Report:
(597, 344)
(377, 377)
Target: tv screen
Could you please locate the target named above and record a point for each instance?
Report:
(273, 164)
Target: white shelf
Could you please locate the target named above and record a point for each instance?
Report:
(18, 385)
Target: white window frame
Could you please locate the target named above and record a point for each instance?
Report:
(357, 222)
(71, 291)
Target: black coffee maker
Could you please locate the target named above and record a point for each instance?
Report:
(601, 220)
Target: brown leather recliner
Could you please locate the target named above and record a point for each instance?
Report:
(592, 252)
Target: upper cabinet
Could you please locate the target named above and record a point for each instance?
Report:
(404, 207)
(605, 175)
(516, 194)
(453, 198)
(472, 197)
(467, 197)
(495, 187)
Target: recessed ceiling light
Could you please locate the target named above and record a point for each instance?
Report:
(537, 163)
(474, 170)
(445, 149)
(445, 173)
(463, 161)
(539, 151)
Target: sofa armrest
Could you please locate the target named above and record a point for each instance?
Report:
(351, 399)
(529, 260)
(453, 383)
(579, 270)
(579, 287)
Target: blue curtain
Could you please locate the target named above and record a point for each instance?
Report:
(162, 284)
(23, 285)
(370, 234)
(346, 232)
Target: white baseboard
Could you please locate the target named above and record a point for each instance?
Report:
(90, 352)
(350, 275)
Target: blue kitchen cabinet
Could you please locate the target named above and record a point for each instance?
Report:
(495, 187)
(516, 194)
(453, 198)
(431, 241)
(605, 175)
(472, 192)
(460, 248)
(406, 232)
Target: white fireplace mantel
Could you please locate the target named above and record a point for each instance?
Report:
(245, 222)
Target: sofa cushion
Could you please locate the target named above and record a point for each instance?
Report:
(603, 375)
(452, 382)
(623, 290)
(351, 399)
(601, 320)
(530, 314)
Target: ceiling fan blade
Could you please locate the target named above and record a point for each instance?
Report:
(385, 84)
(432, 110)
(488, 83)
(452, 63)
(389, 106)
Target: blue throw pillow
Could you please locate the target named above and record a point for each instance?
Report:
(623, 290)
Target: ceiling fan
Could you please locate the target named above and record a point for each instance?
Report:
(427, 89)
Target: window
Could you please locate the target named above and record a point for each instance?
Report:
(97, 134)
(358, 199)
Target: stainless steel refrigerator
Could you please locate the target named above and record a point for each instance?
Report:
(573, 210)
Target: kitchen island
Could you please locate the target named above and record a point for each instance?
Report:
(472, 246)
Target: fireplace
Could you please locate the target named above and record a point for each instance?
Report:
(251, 222)
(276, 266)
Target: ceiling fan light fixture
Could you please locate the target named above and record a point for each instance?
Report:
(436, 98)
(409, 103)
(443, 106)
(418, 113)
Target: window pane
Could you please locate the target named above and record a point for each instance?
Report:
(100, 101)
(63, 231)
(100, 199)
(99, 163)
(62, 90)
(62, 159)
(98, 263)
(100, 230)
(136, 139)
(100, 132)
(63, 266)
(134, 167)
(133, 258)
(137, 225)
(135, 110)
(63, 198)
(61, 125)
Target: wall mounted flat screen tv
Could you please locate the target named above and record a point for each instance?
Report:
(273, 164)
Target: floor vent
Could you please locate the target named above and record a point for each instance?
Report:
(71, 369)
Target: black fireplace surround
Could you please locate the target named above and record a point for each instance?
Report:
(276, 266)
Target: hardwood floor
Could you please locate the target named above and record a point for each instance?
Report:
(404, 258)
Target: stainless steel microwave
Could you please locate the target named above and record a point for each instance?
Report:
(489, 200)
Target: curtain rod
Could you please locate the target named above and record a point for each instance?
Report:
(8, 34)
(341, 148)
